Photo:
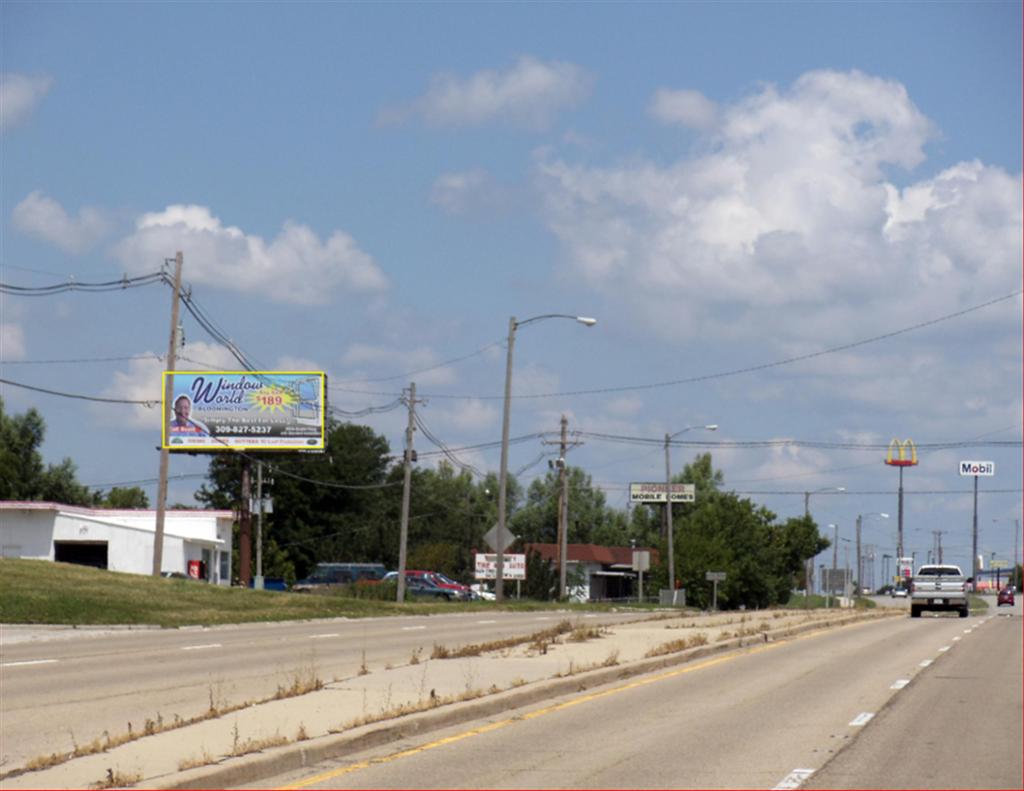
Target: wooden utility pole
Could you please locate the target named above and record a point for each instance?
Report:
(563, 509)
(245, 526)
(172, 356)
(403, 538)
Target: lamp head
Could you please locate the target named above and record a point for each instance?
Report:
(586, 320)
(712, 427)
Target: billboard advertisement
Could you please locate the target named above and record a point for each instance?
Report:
(244, 410)
(655, 492)
(513, 567)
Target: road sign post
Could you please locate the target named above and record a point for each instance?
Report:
(714, 577)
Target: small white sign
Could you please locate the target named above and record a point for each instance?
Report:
(513, 567)
(985, 468)
(655, 493)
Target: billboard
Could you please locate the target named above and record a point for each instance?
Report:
(655, 492)
(244, 410)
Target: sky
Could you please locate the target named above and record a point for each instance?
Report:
(801, 222)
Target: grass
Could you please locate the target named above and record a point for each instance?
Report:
(42, 592)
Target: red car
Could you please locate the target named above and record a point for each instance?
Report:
(1005, 597)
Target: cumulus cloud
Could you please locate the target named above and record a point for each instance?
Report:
(684, 107)
(529, 95)
(12, 341)
(44, 218)
(788, 220)
(295, 266)
(19, 95)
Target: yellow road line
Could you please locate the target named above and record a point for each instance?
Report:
(335, 773)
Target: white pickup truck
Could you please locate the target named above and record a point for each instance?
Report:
(938, 587)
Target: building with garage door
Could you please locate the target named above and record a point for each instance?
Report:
(196, 543)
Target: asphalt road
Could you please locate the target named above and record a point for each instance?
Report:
(860, 707)
(63, 688)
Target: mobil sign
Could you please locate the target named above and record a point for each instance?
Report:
(987, 468)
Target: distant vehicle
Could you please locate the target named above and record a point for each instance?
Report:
(938, 587)
(479, 591)
(458, 590)
(422, 586)
(1005, 597)
(328, 575)
(899, 593)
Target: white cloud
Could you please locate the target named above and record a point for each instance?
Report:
(296, 266)
(529, 95)
(12, 342)
(684, 107)
(19, 95)
(419, 364)
(787, 221)
(461, 193)
(44, 218)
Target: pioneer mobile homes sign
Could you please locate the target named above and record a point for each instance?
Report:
(244, 410)
(655, 493)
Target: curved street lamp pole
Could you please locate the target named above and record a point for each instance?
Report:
(668, 500)
(809, 570)
(860, 562)
(513, 325)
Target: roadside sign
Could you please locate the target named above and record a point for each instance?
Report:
(984, 468)
(641, 560)
(714, 576)
(513, 567)
(491, 539)
(1000, 564)
(655, 492)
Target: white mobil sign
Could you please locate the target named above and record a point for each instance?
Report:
(513, 567)
(655, 492)
(987, 468)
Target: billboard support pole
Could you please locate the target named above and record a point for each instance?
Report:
(172, 350)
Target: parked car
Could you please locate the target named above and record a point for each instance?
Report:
(1005, 596)
(458, 590)
(327, 575)
(899, 593)
(422, 586)
(479, 591)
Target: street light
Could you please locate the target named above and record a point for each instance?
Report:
(809, 570)
(835, 557)
(513, 325)
(668, 500)
(860, 564)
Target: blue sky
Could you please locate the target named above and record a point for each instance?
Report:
(373, 189)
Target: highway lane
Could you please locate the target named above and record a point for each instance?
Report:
(767, 717)
(71, 689)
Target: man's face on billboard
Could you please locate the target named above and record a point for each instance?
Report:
(182, 409)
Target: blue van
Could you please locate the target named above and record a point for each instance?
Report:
(327, 575)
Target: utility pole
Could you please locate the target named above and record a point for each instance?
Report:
(410, 457)
(563, 510)
(258, 582)
(172, 356)
(860, 560)
(974, 542)
(245, 526)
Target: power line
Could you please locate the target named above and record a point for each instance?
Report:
(79, 396)
(411, 374)
(84, 360)
(74, 285)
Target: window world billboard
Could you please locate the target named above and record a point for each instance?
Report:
(244, 410)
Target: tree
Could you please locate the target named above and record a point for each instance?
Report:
(591, 520)
(130, 497)
(23, 476)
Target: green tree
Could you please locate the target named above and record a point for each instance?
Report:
(130, 497)
(591, 520)
(23, 475)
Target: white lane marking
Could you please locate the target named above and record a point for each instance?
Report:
(27, 662)
(862, 719)
(542, 618)
(323, 636)
(944, 648)
(968, 631)
(200, 647)
(958, 637)
(590, 615)
(412, 628)
(794, 779)
(486, 621)
(900, 683)
(925, 663)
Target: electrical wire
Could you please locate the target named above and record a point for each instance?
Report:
(84, 360)
(73, 285)
(409, 374)
(79, 396)
(444, 449)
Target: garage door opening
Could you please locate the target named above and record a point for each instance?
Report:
(82, 553)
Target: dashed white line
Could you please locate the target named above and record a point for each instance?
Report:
(900, 683)
(323, 636)
(412, 628)
(28, 662)
(925, 663)
(958, 637)
(486, 621)
(944, 648)
(861, 719)
(794, 779)
(200, 647)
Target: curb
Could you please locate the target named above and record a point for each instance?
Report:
(238, 771)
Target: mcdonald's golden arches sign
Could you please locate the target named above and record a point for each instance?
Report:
(902, 453)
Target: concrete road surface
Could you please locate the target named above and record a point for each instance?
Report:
(779, 715)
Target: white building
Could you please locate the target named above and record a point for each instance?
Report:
(197, 543)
